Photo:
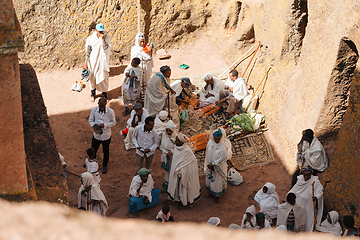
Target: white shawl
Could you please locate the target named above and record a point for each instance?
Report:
(159, 126)
(299, 214)
(314, 155)
(138, 73)
(176, 86)
(155, 95)
(240, 89)
(99, 58)
(167, 144)
(333, 227)
(145, 189)
(137, 50)
(184, 183)
(268, 201)
(144, 115)
(95, 194)
(216, 89)
(252, 211)
(303, 191)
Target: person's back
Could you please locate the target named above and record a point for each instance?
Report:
(291, 214)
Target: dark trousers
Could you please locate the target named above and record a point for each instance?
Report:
(105, 146)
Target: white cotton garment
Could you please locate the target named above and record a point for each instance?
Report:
(268, 201)
(145, 189)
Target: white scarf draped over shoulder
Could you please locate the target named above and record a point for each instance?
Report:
(268, 201)
(299, 214)
(137, 50)
(145, 189)
(314, 155)
(333, 227)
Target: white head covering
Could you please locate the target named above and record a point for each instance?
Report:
(334, 216)
(170, 125)
(138, 37)
(183, 138)
(214, 221)
(251, 210)
(87, 179)
(162, 115)
(208, 76)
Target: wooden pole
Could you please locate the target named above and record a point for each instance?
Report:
(138, 15)
(314, 203)
(251, 59)
(168, 96)
(238, 60)
(256, 89)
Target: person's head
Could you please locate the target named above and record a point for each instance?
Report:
(90, 152)
(291, 198)
(233, 75)
(217, 135)
(102, 103)
(181, 139)
(138, 108)
(307, 172)
(250, 211)
(140, 40)
(260, 219)
(163, 115)
(144, 174)
(265, 189)
(208, 78)
(149, 123)
(135, 62)
(166, 71)
(165, 209)
(170, 127)
(332, 217)
(348, 221)
(308, 135)
(100, 28)
(185, 82)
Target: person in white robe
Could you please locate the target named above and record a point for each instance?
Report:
(184, 183)
(268, 201)
(249, 218)
(92, 166)
(137, 117)
(178, 86)
(304, 197)
(131, 84)
(90, 196)
(211, 90)
(167, 145)
(142, 192)
(156, 91)
(147, 63)
(97, 48)
(331, 224)
(160, 122)
(218, 151)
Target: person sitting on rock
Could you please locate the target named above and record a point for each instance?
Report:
(210, 91)
(178, 86)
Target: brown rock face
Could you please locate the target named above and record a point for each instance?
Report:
(55, 31)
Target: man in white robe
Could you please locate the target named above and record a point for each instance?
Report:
(160, 122)
(211, 91)
(90, 197)
(218, 151)
(291, 214)
(137, 117)
(97, 48)
(131, 84)
(184, 183)
(268, 201)
(304, 197)
(156, 91)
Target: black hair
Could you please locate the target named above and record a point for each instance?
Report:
(137, 60)
(348, 221)
(149, 119)
(166, 209)
(234, 73)
(90, 152)
(291, 196)
(102, 98)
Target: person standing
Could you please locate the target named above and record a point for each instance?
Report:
(184, 183)
(156, 91)
(145, 56)
(102, 119)
(98, 47)
(146, 141)
(131, 84)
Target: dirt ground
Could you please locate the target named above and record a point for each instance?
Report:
(68, 114)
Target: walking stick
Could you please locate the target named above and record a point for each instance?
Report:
(313, 195)
(251, 59)
(168, 96)
(238, 60)
(257, 89)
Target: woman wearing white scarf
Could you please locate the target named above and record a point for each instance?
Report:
(90, 196)
(249, 219)
(146, 58)
(184, 183)
(160, 122)
(167, 145)
(331, 224)
(303, 191)
(218, 151)
(268, 200)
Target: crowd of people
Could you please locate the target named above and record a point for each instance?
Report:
(155, 125)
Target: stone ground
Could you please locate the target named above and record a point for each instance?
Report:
(68, 114)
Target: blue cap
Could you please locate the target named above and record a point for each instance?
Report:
(100, 27)
(186, 80)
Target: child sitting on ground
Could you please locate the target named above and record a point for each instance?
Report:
(164, 214)
(92, 166)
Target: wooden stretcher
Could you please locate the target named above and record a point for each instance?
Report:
(198, 142)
